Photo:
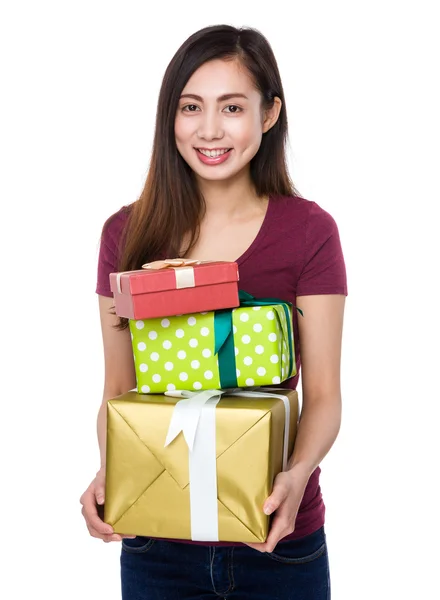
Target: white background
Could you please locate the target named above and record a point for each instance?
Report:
(79, 91)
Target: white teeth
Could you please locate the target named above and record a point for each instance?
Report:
(213, 153)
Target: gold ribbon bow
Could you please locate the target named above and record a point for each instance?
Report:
(173, 263)
(183, 269)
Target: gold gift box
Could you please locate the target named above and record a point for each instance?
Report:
(147, 484)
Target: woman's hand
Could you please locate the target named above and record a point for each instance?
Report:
(90, 500)
(287, 493)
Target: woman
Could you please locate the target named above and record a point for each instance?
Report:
(218, 189)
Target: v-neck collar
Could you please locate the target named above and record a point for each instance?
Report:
(261, 233)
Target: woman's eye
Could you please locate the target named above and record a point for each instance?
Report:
(236, 108)
(190, 106)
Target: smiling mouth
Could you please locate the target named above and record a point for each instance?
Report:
(213, 153)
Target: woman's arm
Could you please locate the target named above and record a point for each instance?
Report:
(119, 373)
(119, 378)
(320, 334)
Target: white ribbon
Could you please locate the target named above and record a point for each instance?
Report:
(195, 418)
(119, 275)
(184, 277)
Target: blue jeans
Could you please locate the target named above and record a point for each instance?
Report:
(160, 570)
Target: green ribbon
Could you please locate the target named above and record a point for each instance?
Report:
(224, 347)
(224, 337)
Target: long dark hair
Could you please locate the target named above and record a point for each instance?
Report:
(171, 205)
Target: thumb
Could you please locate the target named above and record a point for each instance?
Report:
(99, 493)
(277, 497)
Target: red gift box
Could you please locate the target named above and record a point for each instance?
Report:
(175, 287)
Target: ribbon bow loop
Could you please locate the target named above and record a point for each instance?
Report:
(171, 263)
(187, 413)
(183, 269)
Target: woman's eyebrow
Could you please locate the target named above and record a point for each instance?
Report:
(219, 99)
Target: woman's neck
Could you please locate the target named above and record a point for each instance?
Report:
(229, 199)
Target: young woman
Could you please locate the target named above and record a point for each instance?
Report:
(218, 189)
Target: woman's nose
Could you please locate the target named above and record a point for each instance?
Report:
(210, 126)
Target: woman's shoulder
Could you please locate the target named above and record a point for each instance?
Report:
(114, 225)
(299, 213)
(300, 207)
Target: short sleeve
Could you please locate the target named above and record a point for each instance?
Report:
(109, 251)
(324, 270)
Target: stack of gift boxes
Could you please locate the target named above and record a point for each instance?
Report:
(193, 452)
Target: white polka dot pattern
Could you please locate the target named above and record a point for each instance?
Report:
(259, 339)
(178, 352)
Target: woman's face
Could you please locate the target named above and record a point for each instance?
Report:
(219, 121)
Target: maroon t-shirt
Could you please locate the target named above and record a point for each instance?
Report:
(297, 252)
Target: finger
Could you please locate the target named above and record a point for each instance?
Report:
(275, 500)
(260, 546)
(100, 492)
(94, 533)
(90, 513)
(114, 537)
(278, 530)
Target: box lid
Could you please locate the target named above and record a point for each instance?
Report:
(144, 281)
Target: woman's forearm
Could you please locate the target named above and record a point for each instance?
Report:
(102, 432)
(317, 431)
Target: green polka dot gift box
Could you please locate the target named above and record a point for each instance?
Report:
(251, 345)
